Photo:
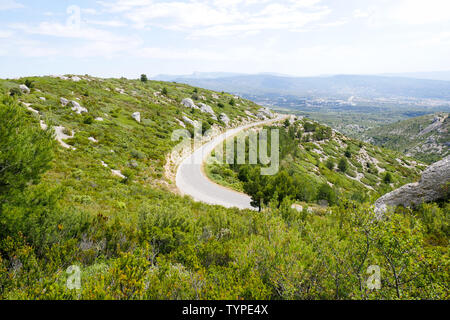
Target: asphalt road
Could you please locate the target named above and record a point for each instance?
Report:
(191, 179)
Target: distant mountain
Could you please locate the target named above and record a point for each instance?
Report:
(437, 75)
(426, 138)
(340, 86)
(196, 75)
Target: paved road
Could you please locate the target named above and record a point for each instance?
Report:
(191, 179)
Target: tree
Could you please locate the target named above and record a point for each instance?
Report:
(327, 193)
(25, 149)
(144, 78)
(388, 178)
(232, 103)
(25, 154)
(343, 165)
(330, 164)
(348, 153)
(164, 91)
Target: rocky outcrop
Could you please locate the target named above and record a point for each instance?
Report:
(206, 109)
(77, 108)
(224, 118)
(24, 88)
(188, 121)
(64, 102)
(431, 187)
(188, 103)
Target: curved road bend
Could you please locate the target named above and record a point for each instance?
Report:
(191, 179)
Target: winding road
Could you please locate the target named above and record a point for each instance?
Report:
(191, 179)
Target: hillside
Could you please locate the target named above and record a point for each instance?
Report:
(426, 138)
(311, 156)
(93, 195)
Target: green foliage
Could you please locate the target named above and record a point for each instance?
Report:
(343, 165)
(144, 78)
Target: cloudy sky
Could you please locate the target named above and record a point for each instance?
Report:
(296, 37)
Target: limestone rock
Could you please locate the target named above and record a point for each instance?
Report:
(188, 121)
(188, 103)
(24, 88)
(64, 101)
(429, 188)
(77, 108)
(137, 116)
(206, 109)
(224, 118)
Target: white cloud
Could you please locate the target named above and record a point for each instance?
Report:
(10, 4)
(220, 17)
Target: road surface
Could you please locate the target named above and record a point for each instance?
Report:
(191, 179)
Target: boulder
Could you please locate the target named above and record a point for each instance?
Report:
(188, 103)
(77, 108)
(76, 79)
(206, 109)
(99, 119)
(42, 98)
(24, 88)
(64, 101)
(431, 187)
(188, 121)
(215, 96)
(137, 116)
(92, 139)
(224, 118)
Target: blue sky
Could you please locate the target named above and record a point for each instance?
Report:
(297, 37)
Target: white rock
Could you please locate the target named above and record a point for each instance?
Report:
(99, 119)
(137, 116)
(206, 109)
(60, 136)
(24, 88)
(42, 98)
(104, 164)
(215, 96)
(64, 101)
(93, 139)
(224, 118)
(181, 123)
(188, 103)
(188, 121)
(76, 79)
(77, 108)
(431, 187)
(43, 125)
(118, 173)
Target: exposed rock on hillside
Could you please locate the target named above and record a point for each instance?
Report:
(188, 103)
(137, 116)
(224, 118)
(431, 187)
(77, 108)
(24, 88)
(64, 102)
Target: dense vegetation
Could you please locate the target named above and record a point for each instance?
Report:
(320, 166)
(132, 239)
